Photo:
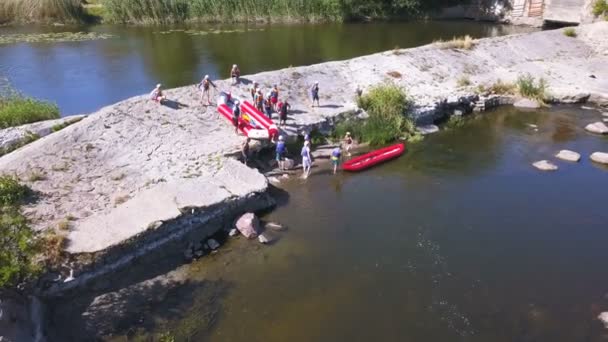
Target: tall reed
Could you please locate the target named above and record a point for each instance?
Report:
(41, 11)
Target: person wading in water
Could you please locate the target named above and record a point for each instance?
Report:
(205, 86)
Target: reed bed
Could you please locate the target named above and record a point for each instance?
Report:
(65, 11)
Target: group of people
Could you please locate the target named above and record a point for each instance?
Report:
(266, 104)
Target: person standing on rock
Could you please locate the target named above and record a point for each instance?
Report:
(314, 93)
(245, 150)
(236, 114)
(235, 74)
(283, 108)
(336, 154)
(253, 90)
(268, 108)
(157, 94)
(306, 159)
(274, 97)
(205, 86)
(259, 100)
(281, 151)
(348, 141)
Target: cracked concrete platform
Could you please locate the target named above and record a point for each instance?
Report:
(134, 163)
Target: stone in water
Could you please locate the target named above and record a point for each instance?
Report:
(545, 165)
(568, 155)
(597, 128)
(428, 129)
(213, 245)
(248, 225)
(600, 157)
(527, 103)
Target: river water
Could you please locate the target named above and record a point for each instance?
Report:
(82, 77)
(460, 239)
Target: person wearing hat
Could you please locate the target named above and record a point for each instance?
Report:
(314, 93)
(235, 73)
(205, 86)
(157, 94)
(306, 159)
(236, 114)
(281, 151)
(348, 141)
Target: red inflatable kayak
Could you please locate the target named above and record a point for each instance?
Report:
(373, 158)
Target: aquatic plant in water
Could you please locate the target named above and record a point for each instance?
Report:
(52, 37)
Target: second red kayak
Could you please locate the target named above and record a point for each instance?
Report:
(374, 157)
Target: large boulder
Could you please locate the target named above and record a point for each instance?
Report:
(600, 157)
(527, 103)
(597, 128)
(248, 225)
(568, 155)
(545, 165)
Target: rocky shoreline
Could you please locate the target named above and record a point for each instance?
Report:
(136, 176)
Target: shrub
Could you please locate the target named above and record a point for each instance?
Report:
(455, 121)
(570, 32)
(41, 10)
(19, 247)
(528, 87)
(11, 192)
(600, 7)
(386, 105)
(463, 81)
(17, 109)
(502, 88)
(461, 43)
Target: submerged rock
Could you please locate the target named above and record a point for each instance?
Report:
(233, 232)
(428, 129)
(597, 128)
(213, 245)
(568, 155)
(600, 157)
(288, 164)
(545, 165)
(248, 225)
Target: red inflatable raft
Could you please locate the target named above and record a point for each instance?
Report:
(252, 123)
(373, 158)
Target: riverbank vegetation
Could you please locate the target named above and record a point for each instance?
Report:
(49, 11)
(17, 109)
(18, 241)
(460, 43)
(173, 11)
(386, 106)
(600, 8)
(529, 87)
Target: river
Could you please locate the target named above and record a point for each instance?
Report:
(460, 239)
(82, 77)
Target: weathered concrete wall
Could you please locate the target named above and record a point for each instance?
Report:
(566, 11)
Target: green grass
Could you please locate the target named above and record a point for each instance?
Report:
(570, 32)
(527, 86)
(29, 138)
(463, 81)
(19, 243)
(600, 8)
(458, 43)
(17, 109)
(386, 106)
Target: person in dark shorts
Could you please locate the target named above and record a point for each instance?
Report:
(283, 108)
(236, 114)
(314, 93)
(336, 154)
(245, 150)
(268, 108)
(281, 151)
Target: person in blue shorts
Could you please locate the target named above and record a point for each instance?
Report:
(281, 151)
(336, 154)
(314, 93)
